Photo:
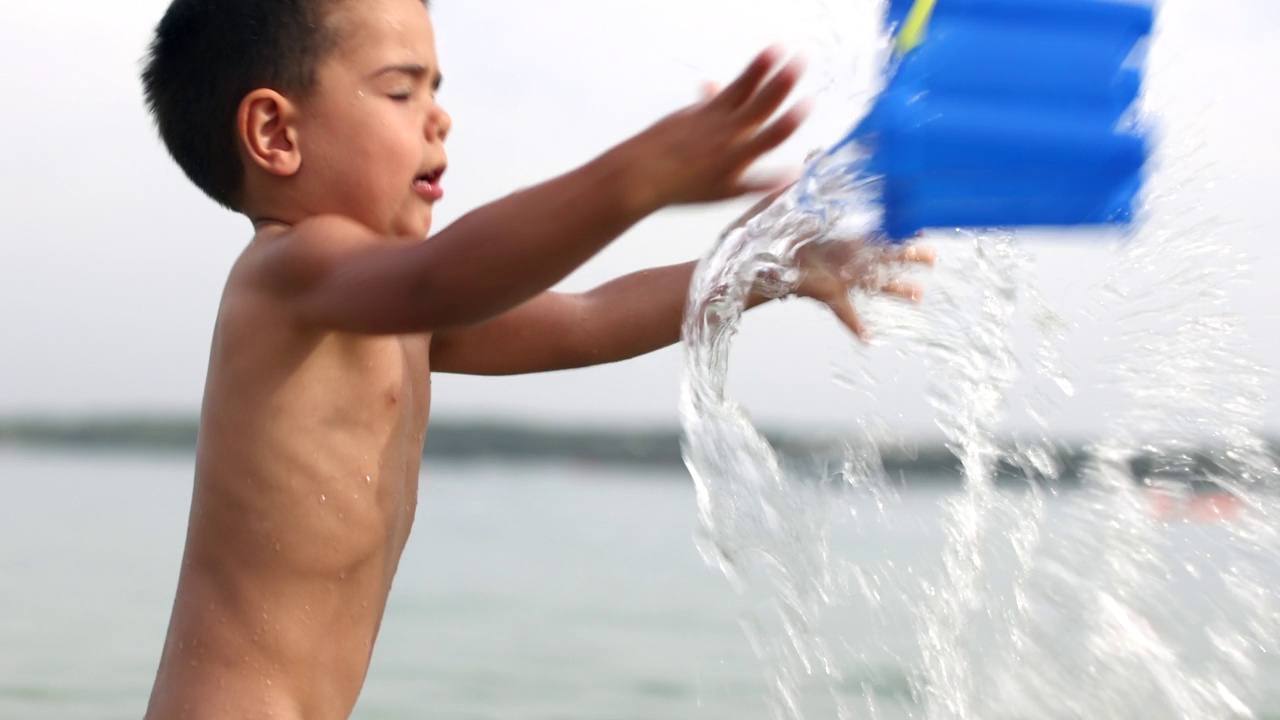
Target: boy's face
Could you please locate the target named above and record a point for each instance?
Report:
(371, 134)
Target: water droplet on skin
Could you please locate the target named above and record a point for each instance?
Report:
(368, 479)
(323, 498)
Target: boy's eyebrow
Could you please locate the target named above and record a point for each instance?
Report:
(415, 70)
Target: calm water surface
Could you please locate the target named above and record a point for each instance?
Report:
(556, 592)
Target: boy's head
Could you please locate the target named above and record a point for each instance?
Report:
(285, 109)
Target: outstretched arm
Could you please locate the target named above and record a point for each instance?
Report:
(643, 312)
(340, 276)
(627, 317)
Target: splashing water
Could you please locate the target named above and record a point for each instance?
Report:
(762, 527)
(1046, 598)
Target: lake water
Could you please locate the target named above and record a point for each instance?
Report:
(547, 592)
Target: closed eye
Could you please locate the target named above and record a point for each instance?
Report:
(419, 74)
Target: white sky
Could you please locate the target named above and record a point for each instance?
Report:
(111, 264)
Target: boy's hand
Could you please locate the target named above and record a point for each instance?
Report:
(831, 270)
(701, 154)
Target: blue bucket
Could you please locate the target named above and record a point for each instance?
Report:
(1009, 113)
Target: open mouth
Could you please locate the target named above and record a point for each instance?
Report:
(428, 185)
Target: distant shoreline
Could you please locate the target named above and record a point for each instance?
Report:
(657, 448)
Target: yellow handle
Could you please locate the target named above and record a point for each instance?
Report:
(915, 26)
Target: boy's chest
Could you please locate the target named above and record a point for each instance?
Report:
(408, 400)
(389, 388)
(397, 379)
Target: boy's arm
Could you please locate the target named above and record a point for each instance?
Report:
(627, 317)
(338, 275)
(644, 311)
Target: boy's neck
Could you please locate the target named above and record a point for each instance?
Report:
(262, 223)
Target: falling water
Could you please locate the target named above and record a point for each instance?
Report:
(1047, 598)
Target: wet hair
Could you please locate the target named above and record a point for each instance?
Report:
(208, 55)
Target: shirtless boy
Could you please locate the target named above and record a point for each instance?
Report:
(318, 121)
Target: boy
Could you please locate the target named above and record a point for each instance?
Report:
(317, 120)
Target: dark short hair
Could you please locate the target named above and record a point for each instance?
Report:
(208, 55)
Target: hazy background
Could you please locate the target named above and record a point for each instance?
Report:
(534, 590)
(112, 263)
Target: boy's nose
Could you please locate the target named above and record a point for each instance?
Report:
(439, 124)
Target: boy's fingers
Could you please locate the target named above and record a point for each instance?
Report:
(906, 291)
(746, 84)
(777, 133)
(773, 185)
(766, 102)
(915, 254)
(843, 308)
(710, 90)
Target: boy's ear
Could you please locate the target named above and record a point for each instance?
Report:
(268, 133)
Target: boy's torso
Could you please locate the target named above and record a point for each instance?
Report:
(305, 492)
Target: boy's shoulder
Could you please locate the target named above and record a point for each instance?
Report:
(315, 236)
(319, 273)
(294, 256)
(270, 281)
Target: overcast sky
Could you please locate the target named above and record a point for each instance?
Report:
(112, 263)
